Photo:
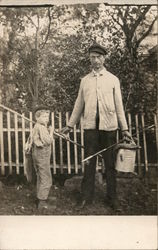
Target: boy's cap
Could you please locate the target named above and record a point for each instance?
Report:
(41, 108)
(98, 49)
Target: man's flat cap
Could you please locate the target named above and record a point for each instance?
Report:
(98, 49)
(38, 108)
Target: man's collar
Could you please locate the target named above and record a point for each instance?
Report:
(100, 73)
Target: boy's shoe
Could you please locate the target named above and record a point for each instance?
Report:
(42, 204)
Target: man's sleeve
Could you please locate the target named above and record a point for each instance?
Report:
(78, 107)
(119, 106)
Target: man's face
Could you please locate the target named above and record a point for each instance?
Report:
(97, 60)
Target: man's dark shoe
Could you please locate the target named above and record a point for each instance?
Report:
(82, 204)
(112, 203)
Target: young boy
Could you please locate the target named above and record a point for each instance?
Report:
(41, 151)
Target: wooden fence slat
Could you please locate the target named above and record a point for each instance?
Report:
(117, 136)
(13, 130)
(65, 166)
(140, 170)
(82, 143)
(53, 146)
(9, 142)
(16, 143)
(144, 143)
(23, 141)
(75, 150)
(68, 166)
(2, 143)
(68, 148)
(31, 124)
(156, 131)
(129, 123)
(61, 143)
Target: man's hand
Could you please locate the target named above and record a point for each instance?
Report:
(65, 130)
(51, 130)
(127, 136)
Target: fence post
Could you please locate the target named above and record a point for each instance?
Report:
(144, 143)
(31, 128)
(2, 143)
(61, 144)
(68, 148)
(156, 131)
(9, 143)
(140, 170)
(16, 143)
(130, 123)
(75, 151)
(53, 145)
(23, 141)
(82, 143)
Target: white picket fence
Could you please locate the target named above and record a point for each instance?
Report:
(66, 156)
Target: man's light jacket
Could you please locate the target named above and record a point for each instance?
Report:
(103, 88)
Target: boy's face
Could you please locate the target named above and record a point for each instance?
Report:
(44, 117)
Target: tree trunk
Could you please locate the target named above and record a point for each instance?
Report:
(34, 102)
(36, 69)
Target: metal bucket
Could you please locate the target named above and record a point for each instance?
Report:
(126, 156)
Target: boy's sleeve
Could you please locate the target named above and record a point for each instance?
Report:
(45, 136)
(36, 136)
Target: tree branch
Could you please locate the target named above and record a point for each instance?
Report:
(139, 19)
(124, 27)
(37, 30)
(14, 63)
(146, 33)
(29, 18)
(30, 90)
(29, 86)
(115, 20)
(28, 41)
(48, 31)
(126, 12)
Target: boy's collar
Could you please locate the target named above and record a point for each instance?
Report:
(41, 123)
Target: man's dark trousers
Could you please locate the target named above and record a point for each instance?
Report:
(96, 140)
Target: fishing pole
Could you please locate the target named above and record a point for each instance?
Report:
(113, 145)
(67, 139)
(16, 113)
(54, 132)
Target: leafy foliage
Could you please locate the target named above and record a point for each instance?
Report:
(45, 54)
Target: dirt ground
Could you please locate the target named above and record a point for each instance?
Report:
(136, 197)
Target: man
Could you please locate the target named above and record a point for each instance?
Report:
(100, 101)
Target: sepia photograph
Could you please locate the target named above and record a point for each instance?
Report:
(79, 113)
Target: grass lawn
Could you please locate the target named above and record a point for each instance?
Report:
(136, 197)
